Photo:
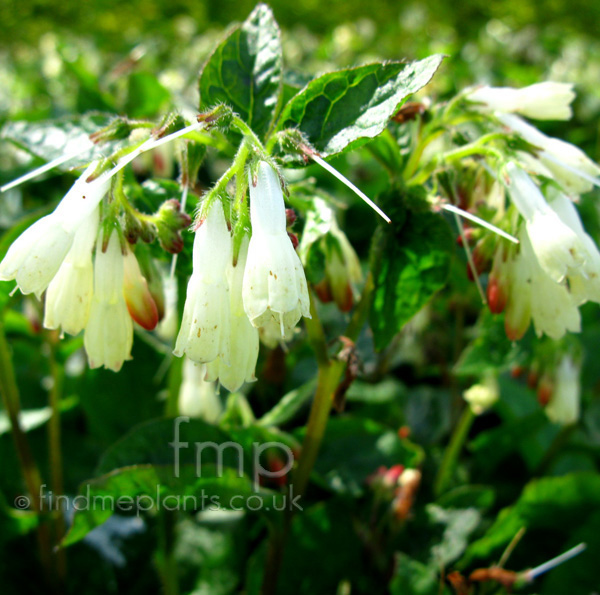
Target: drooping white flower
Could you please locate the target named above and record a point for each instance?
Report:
(558, 248)
(553, 310)
(37, 254)
(568, 164)
(69, 295)
(243, 342)
(274, 290)
(108, 336)
(584, 282)
(204, 334)
(197, 397)
(541, 101)
(564, 404)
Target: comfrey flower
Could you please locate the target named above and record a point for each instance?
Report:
(542, 101)
(563, 407)
(274, 290)
(566, 163)
(197, 397)
(584, 281)
(243, 340)
(205, 330)
(108, 336)
(559, 249)
(37, 254)
(69, 295)
(535, 296)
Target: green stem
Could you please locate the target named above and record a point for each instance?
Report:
(31, 474)
(56, 462)
(167, 564)
(453, 451)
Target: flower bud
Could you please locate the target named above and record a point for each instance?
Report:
(170, 221)
(140, 303)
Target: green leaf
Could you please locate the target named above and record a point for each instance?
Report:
(568, 500)
(354, 448)
(144, 488)
(245, 71)
(53, 138)
(409, 266)
(342, 107)
(142, 469)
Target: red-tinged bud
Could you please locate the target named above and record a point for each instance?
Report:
(323, 291)
(153, 278)
(404, 432)
(294, 239)
(481, 260)
(276, 465)
(532, 378)
(516, 371)
(170, 221)
(290, 217)
(140, 303)
(544, 391)
(496, 296)
(392, 475)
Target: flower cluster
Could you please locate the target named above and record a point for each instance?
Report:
(100, 294)
(230, 297)
(556, 266)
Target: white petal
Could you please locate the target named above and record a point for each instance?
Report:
(36, 255)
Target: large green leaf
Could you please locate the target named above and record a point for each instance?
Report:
(145, 470)
(54, 138)
(144, 488)
(409, 265)
(342, 107)
(552, 503)
(245, 71)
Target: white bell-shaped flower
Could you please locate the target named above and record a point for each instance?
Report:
(584, 282)
(567, 164)
(243, 342)
(197, 397)
(275, 292)
(553, 310)
(37, 254)
(204, 334)
(559, 249)
(542, 101)
(564, 405)
(69, 295)
(108, 336)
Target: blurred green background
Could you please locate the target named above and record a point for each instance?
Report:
(66, 47)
